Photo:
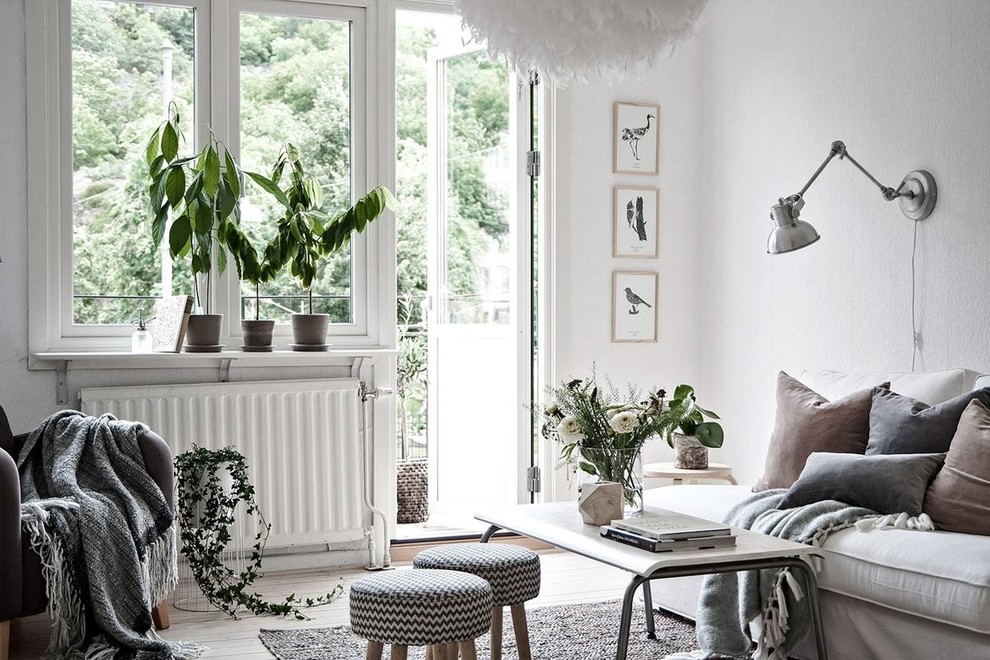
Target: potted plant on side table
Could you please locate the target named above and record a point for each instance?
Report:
(690, 435)
(201, 194)
(307, 235)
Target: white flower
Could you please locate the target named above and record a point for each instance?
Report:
(569, 430)
(624, 422)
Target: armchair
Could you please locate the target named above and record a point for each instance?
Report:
(22, 587)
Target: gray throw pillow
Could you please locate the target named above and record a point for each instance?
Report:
(894, 483)
(902, 425)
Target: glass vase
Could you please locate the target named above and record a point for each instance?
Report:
(623, 466)
(632, 486)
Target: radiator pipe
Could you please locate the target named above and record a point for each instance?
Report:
(372, 394)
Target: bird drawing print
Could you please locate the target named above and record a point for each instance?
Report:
(633, 135)
(635, 301)
(635, 210)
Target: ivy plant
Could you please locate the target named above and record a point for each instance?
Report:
(206, 514)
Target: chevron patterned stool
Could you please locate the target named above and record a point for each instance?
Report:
(512, 571)
(442, 610)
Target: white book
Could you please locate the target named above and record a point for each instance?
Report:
(669, 525)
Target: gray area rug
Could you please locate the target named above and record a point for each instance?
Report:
(562, 632)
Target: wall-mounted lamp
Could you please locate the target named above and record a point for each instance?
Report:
(916, 196)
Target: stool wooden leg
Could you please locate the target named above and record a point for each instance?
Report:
(159, 615)
(468, 651)
(520, 630)
(398, 652)
(497, 633)
(4, 640)
(374, 651)
(429, 653)
(450, 651)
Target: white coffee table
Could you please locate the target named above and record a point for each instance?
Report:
(560, 525)
(680, 475)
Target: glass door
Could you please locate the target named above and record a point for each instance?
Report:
(479, 283)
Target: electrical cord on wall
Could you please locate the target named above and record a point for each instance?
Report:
(914, 298)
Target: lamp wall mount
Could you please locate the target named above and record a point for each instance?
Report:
(916, 195)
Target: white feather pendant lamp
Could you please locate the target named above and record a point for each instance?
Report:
(580, 39)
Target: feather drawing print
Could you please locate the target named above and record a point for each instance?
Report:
(640, 220)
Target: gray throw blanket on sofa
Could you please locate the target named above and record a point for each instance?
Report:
(730, 601)
(103, 530)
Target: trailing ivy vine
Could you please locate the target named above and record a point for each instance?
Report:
(206, 514)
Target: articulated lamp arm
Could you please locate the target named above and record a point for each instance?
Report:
(916, 194)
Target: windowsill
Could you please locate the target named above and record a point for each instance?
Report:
(278, 358)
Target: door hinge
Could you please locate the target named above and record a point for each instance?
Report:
(533, 479)
(533, 163)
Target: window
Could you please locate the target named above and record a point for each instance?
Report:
(258, 74)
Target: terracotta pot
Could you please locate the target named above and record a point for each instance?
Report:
(203, 333)
(309, 332)
(257, 335)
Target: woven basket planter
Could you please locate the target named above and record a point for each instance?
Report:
(412, 491)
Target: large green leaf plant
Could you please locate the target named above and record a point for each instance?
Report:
(307, 234)
(201, 194)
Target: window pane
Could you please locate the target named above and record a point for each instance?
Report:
(121, 53)
(477, 195)
(295, 87)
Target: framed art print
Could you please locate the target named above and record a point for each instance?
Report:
(635, 221)
(634, 306)
(636, 138)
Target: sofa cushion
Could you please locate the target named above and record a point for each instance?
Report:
(932, 388)
(903, 425)
(807, 422)
(893, 483)
(915, 572)
(959, 498)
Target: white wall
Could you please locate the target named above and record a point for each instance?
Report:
(755, 102)
(905, 85)
(583, 246)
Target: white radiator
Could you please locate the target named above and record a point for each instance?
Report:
(301, 440)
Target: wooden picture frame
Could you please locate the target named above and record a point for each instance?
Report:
(635, 303)
(635, 222)
(635, 138)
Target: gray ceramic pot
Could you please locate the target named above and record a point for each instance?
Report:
(309, 332)
(257, 335)
(203, 333)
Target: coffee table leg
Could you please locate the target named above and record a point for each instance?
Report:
(811, 584)
(626, 620)
(489, 533)
(651, 628)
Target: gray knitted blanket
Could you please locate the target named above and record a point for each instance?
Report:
(730, 601)
(103, 530)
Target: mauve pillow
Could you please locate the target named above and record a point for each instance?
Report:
(807, 422)
(902, 425)
(959, 497)
(885, 483)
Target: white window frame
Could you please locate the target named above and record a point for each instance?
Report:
(51, 328)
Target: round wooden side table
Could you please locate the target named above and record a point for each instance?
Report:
(680, 475)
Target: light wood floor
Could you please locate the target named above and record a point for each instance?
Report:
(567, 578)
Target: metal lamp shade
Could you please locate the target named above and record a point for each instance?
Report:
(790, 233)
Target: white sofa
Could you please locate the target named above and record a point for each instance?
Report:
(884, 594)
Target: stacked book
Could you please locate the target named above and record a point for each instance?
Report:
(667, 531)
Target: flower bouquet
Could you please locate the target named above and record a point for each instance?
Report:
(603, 432)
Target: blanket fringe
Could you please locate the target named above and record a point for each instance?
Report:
(64, 605)
(922, 523)
(774, 619)
(161, 567)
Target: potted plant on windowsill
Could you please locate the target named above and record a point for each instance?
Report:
(307, 235)
(257, 332)
(201, 193)
(690, 435)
